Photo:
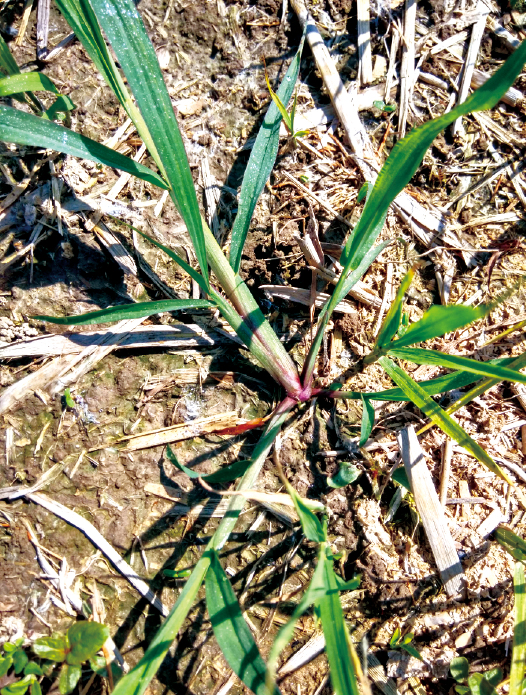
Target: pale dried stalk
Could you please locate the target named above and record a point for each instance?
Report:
(42, 28)
(446, 470)
(364, 42)
(177, 433)
(477, 33)
(431, 512)
(183, 336)
(407, 69)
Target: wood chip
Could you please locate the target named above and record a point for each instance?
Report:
(364, 42)
(431, 512)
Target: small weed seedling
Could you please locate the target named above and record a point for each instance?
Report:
(60, 656)
(476, 684)
(399, 642)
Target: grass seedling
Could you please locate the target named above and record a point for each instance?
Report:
(288, 118)
(141, 91)
(399, 642)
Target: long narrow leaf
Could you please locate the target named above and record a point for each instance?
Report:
(137, 680)
(446, 423)
(314, 591)
(343, 676)
(7, 63)
(129, 311)
(518, 657)
(442, 359)
(81, 18)
(224, 475)
(406, 155)
(483, 386)
(8, 66)
(26, 129)
(171, 254)
(128, 38)
(62, 104)
(510, 541)
(447, 382)
(261, 162)
(339, 293)
(26, 82)
(367, 420)
(232, 633)
(394, 315)
(439, 320)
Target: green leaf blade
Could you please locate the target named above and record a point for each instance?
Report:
(459, 669)
(347, 474)
(442, 359)
(261, 162)
(68, 679)
(231, 630)
(439, 320)
(518, 658)
(368, 415)
(446, 423)
(129, 311)
(224, 475)
(26, 129)
(394, 315)
(52, 648)
(514, 544)
(343, 676)
(26, 82)
(125, 30)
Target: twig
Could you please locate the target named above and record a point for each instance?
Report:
(51, 574)
(477, 33)
(57, 50)
(471, 500)
(407, 68)
(42, 28)
(324, 204)
(23, 24)
(393, 52)
(431, 512)
(386, 300)
(511, 42)
(100, 542)
(446, 469)
(364, 42)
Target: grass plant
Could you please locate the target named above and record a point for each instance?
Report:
(141, 91)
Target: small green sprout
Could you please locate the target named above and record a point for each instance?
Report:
(79, 644)
(288, 119)
(399, 642)
(68, 400)
(346, 474)
(476, 684)
(383, 107)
